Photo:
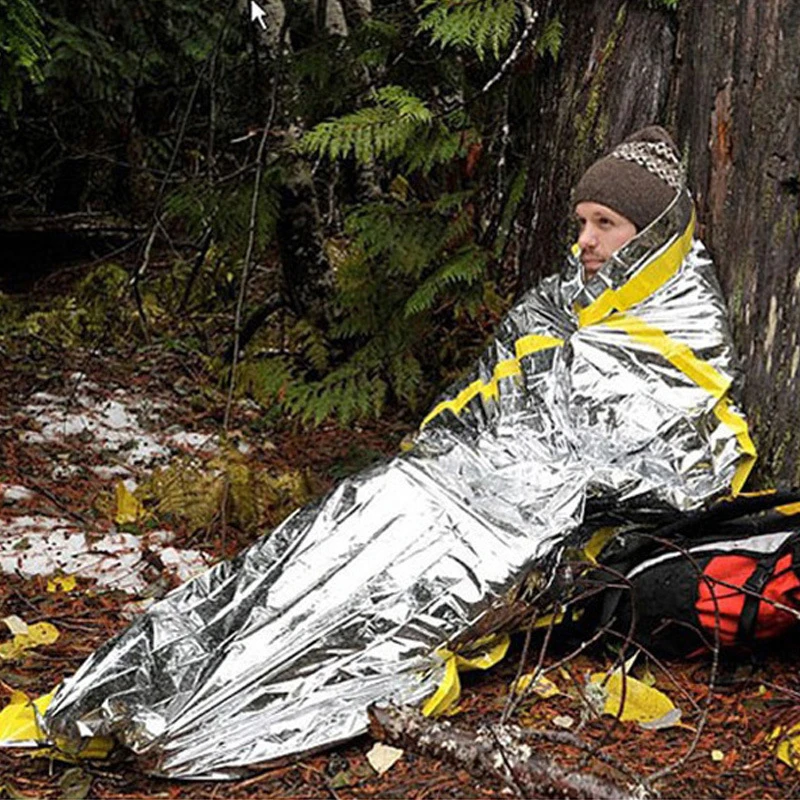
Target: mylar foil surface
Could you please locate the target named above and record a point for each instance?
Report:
(618, 388)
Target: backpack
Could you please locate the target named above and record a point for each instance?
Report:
(727, 576)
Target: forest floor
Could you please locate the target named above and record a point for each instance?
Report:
(59, 479)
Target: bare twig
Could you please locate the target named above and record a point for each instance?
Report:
(156, 222)
(670, 768)
(502, 752)
(515, 697)
(515, 54)
(251, 237)
(592, 750)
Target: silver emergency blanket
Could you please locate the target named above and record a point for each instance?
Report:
(617, 388)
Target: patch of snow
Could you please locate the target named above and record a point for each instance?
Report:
(126, 425)
(38, 545)
(63, 472)
(110, 424)
(201, 442)
(11, 494)
(111, 472)
(179, 562)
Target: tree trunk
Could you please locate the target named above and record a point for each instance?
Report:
(724, 78)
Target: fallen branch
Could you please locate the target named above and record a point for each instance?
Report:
(501, 752)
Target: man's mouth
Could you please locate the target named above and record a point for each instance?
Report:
(592, 264)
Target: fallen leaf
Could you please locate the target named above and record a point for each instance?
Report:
(75, 784)
(642, 703)
(540, 685)
(61, 583)
(381, 757)
(128, 507)
(563, 721)
(16, 625)
(717, 755)
(647, 677)
(37, 634)
(10, 651)
(786, 745)
(669, 719)
(42, 633)
(342, 779)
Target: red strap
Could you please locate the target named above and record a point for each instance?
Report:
(784, 588)
(728, 603)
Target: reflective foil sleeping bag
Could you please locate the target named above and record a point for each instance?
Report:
(617, 388)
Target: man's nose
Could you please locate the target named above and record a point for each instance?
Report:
(587, 238)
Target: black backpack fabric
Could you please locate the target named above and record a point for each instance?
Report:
(728, 576)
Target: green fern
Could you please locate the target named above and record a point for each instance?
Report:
(403, 266)
(466, 266)
(382, 129)
(226, 208)
(480, 25)
(22, 50)
(313, 345)
(550, 39)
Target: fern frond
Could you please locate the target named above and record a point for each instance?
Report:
(466, 266)
(480, 25)
(550, 39)
(313, 344)
(452, 201)
(437, 145)
(383, 129)
(194, 205)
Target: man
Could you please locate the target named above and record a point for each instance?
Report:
(623, 193)
(606, 387)
(602, 232)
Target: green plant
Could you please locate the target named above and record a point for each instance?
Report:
(397, 135)
(22, 50)
(413, 263)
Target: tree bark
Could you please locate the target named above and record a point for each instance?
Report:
(724, 78)
(501, 752)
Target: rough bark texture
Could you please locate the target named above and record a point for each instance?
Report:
(501, 752)
(306, 272)
(724, 78)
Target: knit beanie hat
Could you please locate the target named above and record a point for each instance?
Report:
(638, 178)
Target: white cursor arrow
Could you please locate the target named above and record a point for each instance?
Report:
(257, 14)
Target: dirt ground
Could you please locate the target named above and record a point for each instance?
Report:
(719, 749)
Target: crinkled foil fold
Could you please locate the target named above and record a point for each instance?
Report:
(583, 395)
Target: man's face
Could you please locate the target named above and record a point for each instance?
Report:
(602, 232)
